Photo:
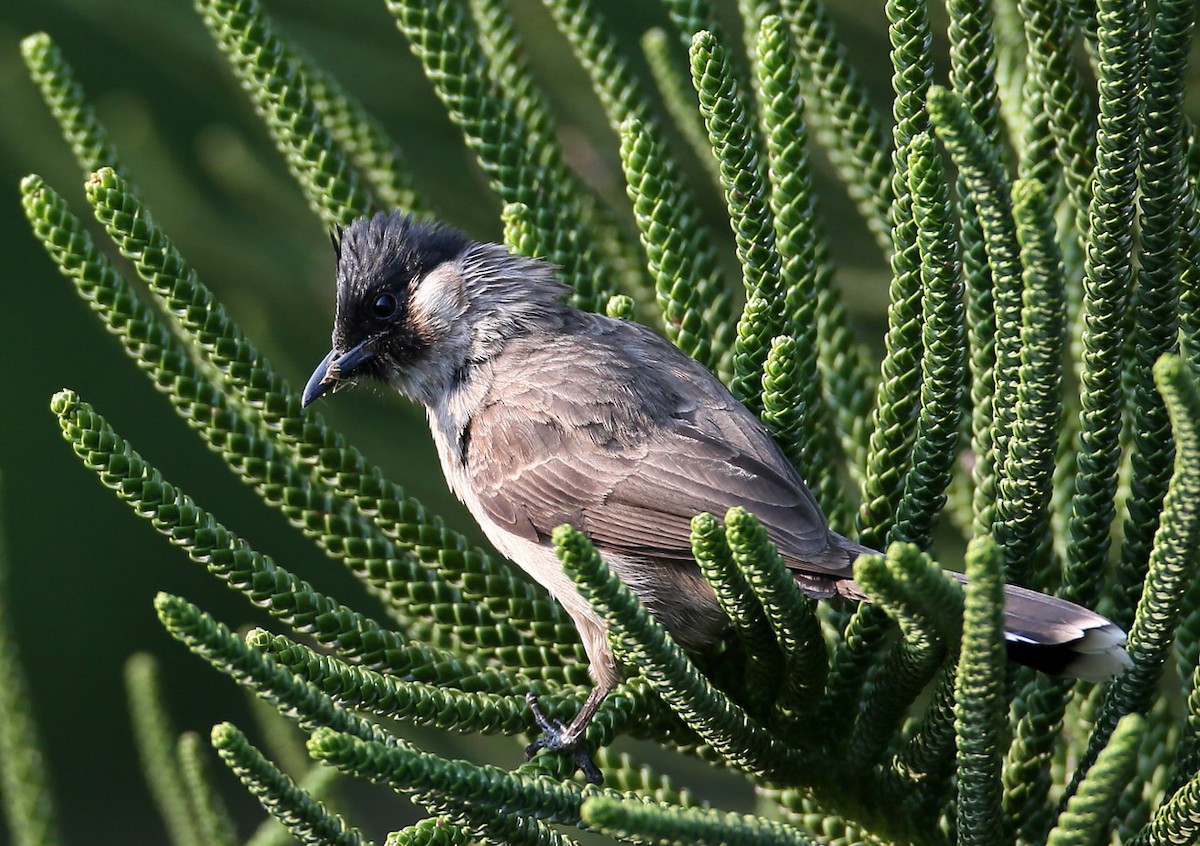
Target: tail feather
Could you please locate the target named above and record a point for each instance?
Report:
(1044, 632)
(1062, 638)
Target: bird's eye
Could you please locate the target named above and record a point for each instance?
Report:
(383, 307)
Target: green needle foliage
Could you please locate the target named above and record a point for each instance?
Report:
(307, 819)
(335, 190)
(213, 824)
(1172, 566)
(158, 752)
(851, 131)
(1163, 182)
(1027, 471)
(1088, 814)
(28, 804)
(896, 400)
(943, 360)
(979, 695)
(66, 100)
(676, 255)
(636, 821)
(1108, 277)
(736, 144)
(1060, 247)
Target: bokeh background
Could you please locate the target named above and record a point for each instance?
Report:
(83, 570)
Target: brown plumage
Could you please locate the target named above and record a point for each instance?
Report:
(544, 415)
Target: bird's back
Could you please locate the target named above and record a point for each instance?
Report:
(609, 427)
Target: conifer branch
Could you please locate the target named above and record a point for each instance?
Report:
(307, 819)
(893, 416)
(631, 820)
(729, 119)
(1108, 277)
(156, 749)
(1172, 566)
(28, 804)
(214, 827)
(980, 698)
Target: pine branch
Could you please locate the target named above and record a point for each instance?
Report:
(214, 826)
(1163, 203)
(983, 174)
(717, 720)
(943, 359)
(637, 821)
(793, 394)
(307, 819)
(790, 614)
(1088, 815)
(686, 283)
(674, 85)
(156, 739)
(231, 559)
(893, 417)
(764, 660)
(1172, 566)
(980, 698)
(1108, 275)
(1027, 476)
(86, 136)
(268, 69)
(414, 702)
(728, 117)
(485, 788)
(29, 810)
(847, 126)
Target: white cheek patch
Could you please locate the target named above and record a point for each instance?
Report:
(438, 302)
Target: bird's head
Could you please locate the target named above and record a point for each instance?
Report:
(419, 303)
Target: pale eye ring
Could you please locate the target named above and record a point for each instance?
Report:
(383, 307)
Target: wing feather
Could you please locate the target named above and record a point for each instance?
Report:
(574, 431)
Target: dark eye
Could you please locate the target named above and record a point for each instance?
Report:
(383, 307)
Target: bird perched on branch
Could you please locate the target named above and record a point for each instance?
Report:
(544, 414)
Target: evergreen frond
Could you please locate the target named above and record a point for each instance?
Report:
(28, 804)
(86, 136)
(896, 400)
(156, 748)
(732, 131)
(980, 698)
(1172, 565)
(631, 820)
(270, 72)
(307, 819)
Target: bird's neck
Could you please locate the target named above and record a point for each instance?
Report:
(450, 419)
(507, 296)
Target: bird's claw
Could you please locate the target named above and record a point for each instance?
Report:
(557, 737)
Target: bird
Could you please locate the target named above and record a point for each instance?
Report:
(543, 414)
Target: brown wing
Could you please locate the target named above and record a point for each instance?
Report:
(624, 437)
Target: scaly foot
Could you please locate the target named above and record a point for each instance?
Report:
(557, 737)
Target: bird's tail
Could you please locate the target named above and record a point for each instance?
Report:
(1044, 632)
(1061, 638)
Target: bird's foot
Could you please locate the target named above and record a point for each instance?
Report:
(557, 737)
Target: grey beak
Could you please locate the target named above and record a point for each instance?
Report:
(334, 370)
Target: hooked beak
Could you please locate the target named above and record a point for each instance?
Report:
(335, 370)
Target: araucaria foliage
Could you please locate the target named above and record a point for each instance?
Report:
(1037, 405)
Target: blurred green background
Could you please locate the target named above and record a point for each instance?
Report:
(83, 569)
